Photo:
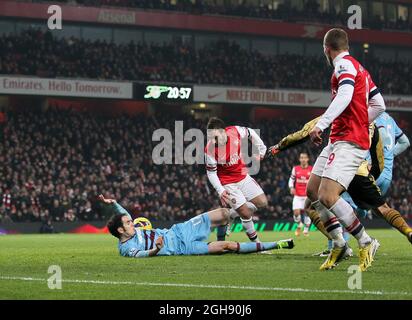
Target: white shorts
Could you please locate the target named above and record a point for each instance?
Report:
(339, 162)
(298, 202)
(243, 191)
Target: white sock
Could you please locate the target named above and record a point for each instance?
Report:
(307, 221)
(297, 219)
(330, 223)
(344, 212)
(249, 226)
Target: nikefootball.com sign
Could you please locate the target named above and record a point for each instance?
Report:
(261, 96)
(281, 97)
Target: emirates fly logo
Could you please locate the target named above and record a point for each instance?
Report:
(234, 159)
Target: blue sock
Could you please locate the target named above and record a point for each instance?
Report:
(247, 247)
(346, 236)
(221, 233)
(330, 244)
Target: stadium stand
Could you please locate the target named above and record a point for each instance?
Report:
(56, 161)
(309, 11)
(34, 52)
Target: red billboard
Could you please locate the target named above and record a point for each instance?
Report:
(184, 21)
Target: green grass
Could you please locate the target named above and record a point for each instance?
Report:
(95, 258)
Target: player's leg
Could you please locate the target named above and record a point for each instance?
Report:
(328, 219)
(218, 247)
(237, 199)
(246, 216)
(329, 196)
(315, 218)
(256, 200)
(383, 182)
(297, 214)
(394, 218)
(243, 207)
(339, 171)
(366, 194)
(329, 223)
(218, 217)
(307, 222)
(195, 231)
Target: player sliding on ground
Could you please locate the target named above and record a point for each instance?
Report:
(187, 238)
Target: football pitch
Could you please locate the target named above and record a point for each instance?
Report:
(91, 268)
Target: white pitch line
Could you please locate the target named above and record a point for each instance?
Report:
(211, 286)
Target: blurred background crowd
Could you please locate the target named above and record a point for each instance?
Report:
(55, 162)
(290, 11)
(34, 52)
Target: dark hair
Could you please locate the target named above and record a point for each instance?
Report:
(114, 223)
(215, 123)
(337, 39)
(305, 152)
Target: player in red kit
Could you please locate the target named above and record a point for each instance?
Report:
(297, 184)
(356, 102)
(228, 173)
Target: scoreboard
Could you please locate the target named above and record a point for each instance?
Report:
(164, 92)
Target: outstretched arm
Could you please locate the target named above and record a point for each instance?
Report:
(118, 208)
(293, 139)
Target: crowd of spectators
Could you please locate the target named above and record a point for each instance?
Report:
(309, 12)
(34, 52)
(56, 162)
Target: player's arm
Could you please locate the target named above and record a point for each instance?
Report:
(135, 253)
(292, 180)
(402, 141)
(117, 207)
(254, 138)
(211, 171)
(293, 139)
(345, 72)
(376, 104)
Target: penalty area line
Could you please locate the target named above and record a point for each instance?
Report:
(212, 286)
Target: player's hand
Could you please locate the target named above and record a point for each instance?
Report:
(316, 136)
(225, 198)
(107, 201)
(292, 191)
(272, 151)
(159, 243)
